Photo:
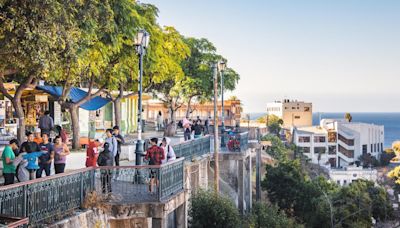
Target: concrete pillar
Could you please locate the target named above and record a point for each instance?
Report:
(181, 216)
(241, 186)
(249, 192)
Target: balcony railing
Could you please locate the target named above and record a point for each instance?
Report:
(237, 142)
(193, 148)
(49, 198)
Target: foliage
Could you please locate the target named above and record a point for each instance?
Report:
(277, 149)
(212, 210)
(348, 117)
(386, 156)
(319, 203)
(263, 215)
(367, 160)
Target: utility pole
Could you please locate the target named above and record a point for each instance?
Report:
(216, 144)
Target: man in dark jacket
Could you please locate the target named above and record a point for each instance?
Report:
(105, 158)
(46, 123)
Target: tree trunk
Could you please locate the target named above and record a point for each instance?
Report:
(188, 107)
(171, 127)
(73, 110)
(117, 112)
(21, 118)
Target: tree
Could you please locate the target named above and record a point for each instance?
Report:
(209, 209)
(274, 124)
(167, 75)
(31, 38)
(277, 149)
(348, 117)
(263, 215)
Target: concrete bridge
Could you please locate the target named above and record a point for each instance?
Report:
(120, 196)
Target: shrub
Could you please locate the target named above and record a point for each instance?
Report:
(212, 210)
(264, 215)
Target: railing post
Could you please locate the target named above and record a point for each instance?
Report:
(81, 188)
(25, 205)
(160, 185)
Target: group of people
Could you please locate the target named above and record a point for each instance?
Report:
(15, 157)
(195, 128)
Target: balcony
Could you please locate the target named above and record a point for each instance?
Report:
(349, 142)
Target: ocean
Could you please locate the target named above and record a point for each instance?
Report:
(391, 121)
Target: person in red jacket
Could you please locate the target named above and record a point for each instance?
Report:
(92, 152)
(154, 155)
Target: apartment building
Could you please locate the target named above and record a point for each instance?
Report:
(293, 113)
(338, 143)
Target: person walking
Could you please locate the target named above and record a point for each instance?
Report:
(169, 153)
(45, 159)
(154, 155)
(8, 157)
(207, 126)
(112, 142)
(46, 123)
(105, 158)
(186, 129)
(198, 130)
(120, 142)
(92, 152)
(61, 151)
(159, 121)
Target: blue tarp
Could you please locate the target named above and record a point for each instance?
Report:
(76, 95)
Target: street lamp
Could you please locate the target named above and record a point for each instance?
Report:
(221, 68)
(142, 40)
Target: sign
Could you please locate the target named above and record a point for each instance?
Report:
(41, 98)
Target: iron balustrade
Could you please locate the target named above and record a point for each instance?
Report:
(51, 198)
(193, 148)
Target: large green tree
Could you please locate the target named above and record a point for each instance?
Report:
(32, 37)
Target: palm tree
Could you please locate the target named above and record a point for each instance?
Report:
(348, 117)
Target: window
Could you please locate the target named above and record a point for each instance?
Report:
(372, 148)
(375, 147)
(297, 117)
(349, 142)
(364, 148)
(319, 150)
(319, 139)
(338, 182)
(344, 182)
(304, 149)
(381, 147)
(306, 109)
(293, 107)
(348, 153)
(331, 149)
(304, 139)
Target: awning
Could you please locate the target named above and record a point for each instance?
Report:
(76, 95)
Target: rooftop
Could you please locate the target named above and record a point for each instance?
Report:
(311, 130)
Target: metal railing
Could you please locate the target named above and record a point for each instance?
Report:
(50, 198)
(193, 148)
(46, 198)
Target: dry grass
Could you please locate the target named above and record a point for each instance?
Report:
(99, 201)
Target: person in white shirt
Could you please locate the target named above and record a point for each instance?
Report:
(169, 153)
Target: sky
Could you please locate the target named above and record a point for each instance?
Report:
(341, 55)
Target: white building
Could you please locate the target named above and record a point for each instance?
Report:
(292, 112)
(349, 174)
(338, 143)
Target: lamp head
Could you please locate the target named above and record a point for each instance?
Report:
(142, 38)
(221, 65)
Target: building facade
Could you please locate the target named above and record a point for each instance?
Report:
(338, 143)
(349, 174)
(232, 111)
(293, 113)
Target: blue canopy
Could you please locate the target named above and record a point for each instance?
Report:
(76, 95)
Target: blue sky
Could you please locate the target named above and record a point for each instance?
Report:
(342, 55)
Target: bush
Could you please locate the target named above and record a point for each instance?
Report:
(212, 210)
(264, 215)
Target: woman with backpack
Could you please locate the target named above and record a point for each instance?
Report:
(169, 153)
(105, 158)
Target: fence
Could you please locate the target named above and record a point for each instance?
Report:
(49, 198)
(193, 148)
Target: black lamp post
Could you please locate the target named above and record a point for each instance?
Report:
(142, 40)
(221, 68)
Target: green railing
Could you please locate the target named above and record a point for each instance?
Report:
(193, 148)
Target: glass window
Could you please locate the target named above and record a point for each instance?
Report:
(304, 139)
(304, 149)
(319, 150)
(319, 139)
(364, 149)
(332, 149)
